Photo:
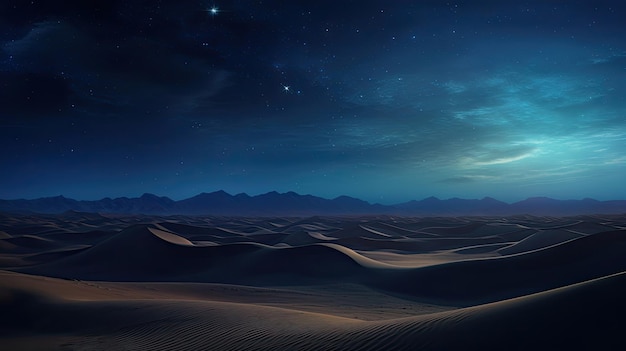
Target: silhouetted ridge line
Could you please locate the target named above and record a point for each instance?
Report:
(292, 204)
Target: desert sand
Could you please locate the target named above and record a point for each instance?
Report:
(80, 281)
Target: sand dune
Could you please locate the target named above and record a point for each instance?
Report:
(542, 238)
(360, 283)
(395, 230)
(301, 238)
(581, 316)
(170, 237)
(187, 230)
(31, 242)
(143, 254)
(357, 230)
(90, 237)
(321, 236)
(481, 249)
(56, 254)
(487, 280)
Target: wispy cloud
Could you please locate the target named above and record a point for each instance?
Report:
(503, 160)
(468, 179)
(616, 161)
(497, 155)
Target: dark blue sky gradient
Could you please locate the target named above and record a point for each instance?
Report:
(383, 100)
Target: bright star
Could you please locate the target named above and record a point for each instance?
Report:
(286, 88)
(214, 10)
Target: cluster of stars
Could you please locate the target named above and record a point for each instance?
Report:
(287, 89)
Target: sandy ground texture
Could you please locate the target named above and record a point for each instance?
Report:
(81, 281)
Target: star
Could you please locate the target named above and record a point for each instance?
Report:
(214, 10)
(286, 88)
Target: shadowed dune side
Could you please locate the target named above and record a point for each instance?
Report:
(91, 237)
(357, 230)
(540, 239)
(321, 236)
(578, 224)
(267, 239)
(473, 282)
(140, 253)
(52, 255)
(461, 230)
(188, 231)
(6, 246)
(481, 249)
(590, 227)
(301, 238)
(21, 226)
(136, 253)
(584, 316)
(24, 250)
(363, 237)
(308, 225)
(310, 264)
(370, 244)
(218, 239)
(395, 230)
(314, 223)
(30, 242)
(411, 245)
(452, 243)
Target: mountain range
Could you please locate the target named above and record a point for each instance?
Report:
(292, 204)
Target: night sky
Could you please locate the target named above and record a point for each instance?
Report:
(386, 101)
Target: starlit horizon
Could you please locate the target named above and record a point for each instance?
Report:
(386, 102)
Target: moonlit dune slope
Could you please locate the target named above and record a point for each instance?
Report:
(581, 316)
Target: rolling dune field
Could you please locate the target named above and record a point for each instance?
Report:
(82, 281)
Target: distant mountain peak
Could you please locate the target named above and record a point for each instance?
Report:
(219, 192)
(539, 198)
(347, 199)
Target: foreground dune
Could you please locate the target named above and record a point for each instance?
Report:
(581, 316)
(92, 282)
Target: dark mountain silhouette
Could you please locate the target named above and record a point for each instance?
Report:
(454, 206)
(293, 204)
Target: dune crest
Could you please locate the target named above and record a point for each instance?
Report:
(170, 237)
